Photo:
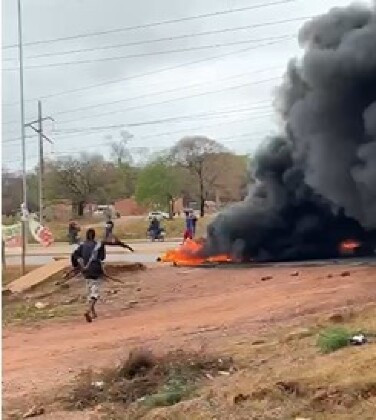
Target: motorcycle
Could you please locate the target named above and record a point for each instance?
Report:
(160, 236)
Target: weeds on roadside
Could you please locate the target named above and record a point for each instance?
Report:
(145, 378)
(333, 338)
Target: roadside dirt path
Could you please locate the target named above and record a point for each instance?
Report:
(176, 307)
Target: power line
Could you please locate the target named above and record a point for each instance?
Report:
(137, 106)
(137, 76)
(139, 55)
(169, 133)
(108, 143)
(201, 127)
(153, 24)
(92, 130)
(148, 95)
(171, 100)
(169, 38)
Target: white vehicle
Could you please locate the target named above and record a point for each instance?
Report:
(159, 215)
(105, 210)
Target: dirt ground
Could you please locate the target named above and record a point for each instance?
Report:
(167, 307)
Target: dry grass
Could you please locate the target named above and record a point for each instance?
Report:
(279, 377)
(285, 378)
(18, 312)
(20, 308)
(144, 378)
(63, 300)
(130, 228)
(281, 374)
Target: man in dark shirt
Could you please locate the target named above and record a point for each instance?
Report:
(109, 227)
(88, 257)
(110, 239)
(73, 230)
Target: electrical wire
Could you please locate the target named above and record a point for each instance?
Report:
(152, 24)
(140, 55)
(227, 139)
(93, 130)
(133, 77)
(197, 95)
(163, 92)
(162, 39)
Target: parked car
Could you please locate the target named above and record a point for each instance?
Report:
(105, 210)
(160, 215)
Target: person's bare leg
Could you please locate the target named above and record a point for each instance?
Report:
(88, 316)
(93, 311)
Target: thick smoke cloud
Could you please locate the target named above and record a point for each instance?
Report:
(315, 185)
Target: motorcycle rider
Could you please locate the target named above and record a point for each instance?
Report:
(154, 229)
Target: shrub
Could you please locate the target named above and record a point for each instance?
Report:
(334, 338)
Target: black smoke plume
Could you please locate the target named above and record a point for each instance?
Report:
(314, 185)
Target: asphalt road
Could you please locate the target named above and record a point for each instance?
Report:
(44, 259)
(145, 252)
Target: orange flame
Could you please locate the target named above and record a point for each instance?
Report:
(349, 246)
(188, 254)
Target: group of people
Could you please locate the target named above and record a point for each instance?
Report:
(155, 229)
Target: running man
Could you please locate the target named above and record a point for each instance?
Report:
(88, 258)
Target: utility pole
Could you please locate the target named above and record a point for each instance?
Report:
(22, 114)
(42, 137)
(41, 162)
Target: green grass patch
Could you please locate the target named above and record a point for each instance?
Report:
(333, 338)
(175, 390)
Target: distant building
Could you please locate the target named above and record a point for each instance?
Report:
(129, 207)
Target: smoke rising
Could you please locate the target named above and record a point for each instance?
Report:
(315, 184)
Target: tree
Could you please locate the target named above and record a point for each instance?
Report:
(123, 182)
(119, 149)
(229, 177)
(195, 153)
(32, 180)
(157, 184)
(11, 193)
(83, 180)
(126, 174)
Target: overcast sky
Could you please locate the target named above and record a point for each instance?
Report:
(224, 91)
